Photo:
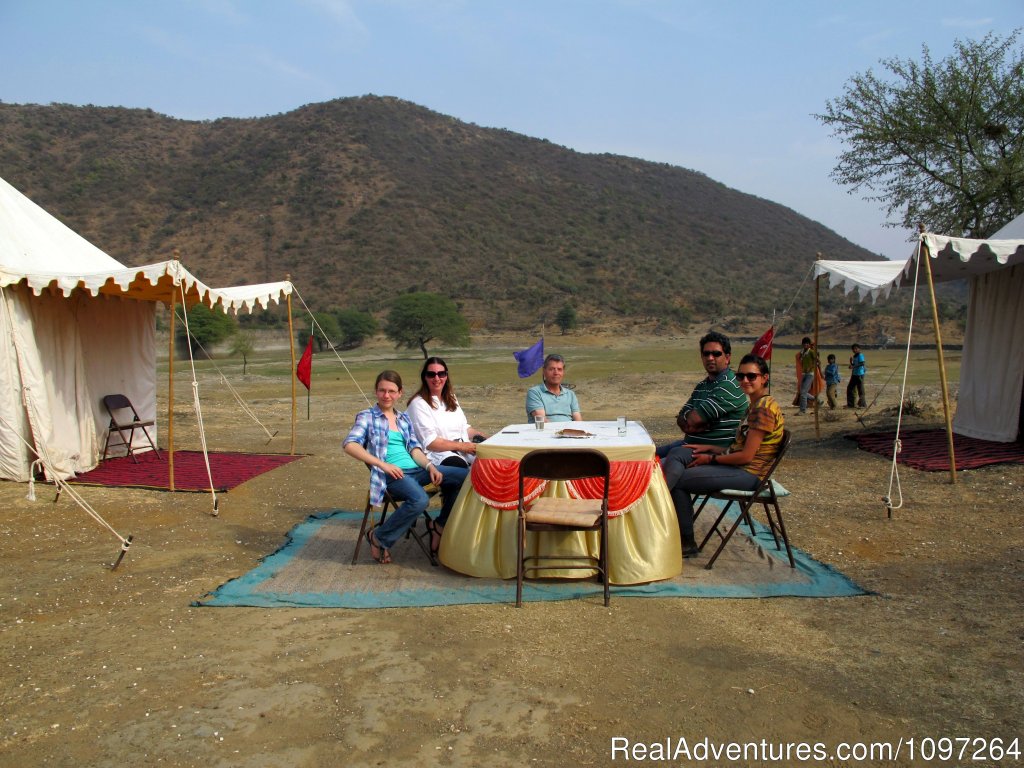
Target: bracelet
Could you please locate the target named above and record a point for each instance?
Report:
(714, 459)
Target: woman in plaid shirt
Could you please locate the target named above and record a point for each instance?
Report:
(383, 439)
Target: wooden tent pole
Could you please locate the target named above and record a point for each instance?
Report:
(942, 361)
(291, 347)
(817, 311)
(170, 400)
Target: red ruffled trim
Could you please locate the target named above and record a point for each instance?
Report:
(496, 482)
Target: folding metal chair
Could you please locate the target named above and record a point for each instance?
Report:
(119, 406)
(766, 494)
(548, 514)
(422, 538)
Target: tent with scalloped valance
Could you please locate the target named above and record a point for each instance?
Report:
(992, 368)
(79, 325)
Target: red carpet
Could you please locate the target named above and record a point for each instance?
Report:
(926, 450)
(228, 470)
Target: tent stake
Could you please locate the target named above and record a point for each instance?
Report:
(124, 548)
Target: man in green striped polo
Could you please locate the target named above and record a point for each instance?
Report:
(712, 414)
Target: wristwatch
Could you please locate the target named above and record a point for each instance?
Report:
(714, 459)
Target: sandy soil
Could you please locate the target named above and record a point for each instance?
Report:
(112, 668)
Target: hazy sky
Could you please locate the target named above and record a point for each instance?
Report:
(724, 88)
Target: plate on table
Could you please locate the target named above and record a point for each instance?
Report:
(577, 434)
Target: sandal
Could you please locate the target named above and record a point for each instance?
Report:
(383, 556)
(435, 537)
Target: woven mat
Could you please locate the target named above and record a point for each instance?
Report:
(228, 470)
(927, 450)
(313, 570)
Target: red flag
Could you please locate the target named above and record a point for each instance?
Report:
(304, 370)
(763, 346)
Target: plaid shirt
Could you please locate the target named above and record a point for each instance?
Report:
(371, 431)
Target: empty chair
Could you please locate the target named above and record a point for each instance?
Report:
(549, 516)
(766, 494)
(124, 420)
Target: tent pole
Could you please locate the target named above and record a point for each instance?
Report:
(942, 361)
(291, 348)
(170, 401)
(817, 313)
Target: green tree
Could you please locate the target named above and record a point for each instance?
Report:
(355, 327)
(417, 318)
(566, 318)
(938, 143)
(325, 331)
(206, 327)
(243, 343)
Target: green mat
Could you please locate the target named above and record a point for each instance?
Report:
(313, 569)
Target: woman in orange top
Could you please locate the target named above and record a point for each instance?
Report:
(703, 468)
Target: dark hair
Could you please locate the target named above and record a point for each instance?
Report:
(447, 393)
(718, 338)
(757, 360)
(393, 376)
(855, 346)
(831, 357)
(553, 359)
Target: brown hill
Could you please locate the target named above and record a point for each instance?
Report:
(359, 199)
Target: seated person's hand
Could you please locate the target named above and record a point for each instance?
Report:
(395, 473)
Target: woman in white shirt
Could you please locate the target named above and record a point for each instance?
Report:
(441, 426)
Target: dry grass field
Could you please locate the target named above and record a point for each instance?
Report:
(107, 668)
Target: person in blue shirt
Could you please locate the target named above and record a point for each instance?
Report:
(832, 379)
(383, 438)
(858, 369)
(550, 399)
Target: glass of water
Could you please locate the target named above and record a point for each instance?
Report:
(539, 421)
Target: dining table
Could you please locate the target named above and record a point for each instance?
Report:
(643, 534)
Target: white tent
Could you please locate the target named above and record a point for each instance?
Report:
(992, 367)
(80, 325)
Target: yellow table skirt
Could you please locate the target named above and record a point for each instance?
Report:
(643, 543)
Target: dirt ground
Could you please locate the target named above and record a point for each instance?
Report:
(107, 668)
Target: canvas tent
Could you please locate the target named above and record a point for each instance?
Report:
(992, 367)
(79, 325)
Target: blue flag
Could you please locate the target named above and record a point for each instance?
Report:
(530, 359)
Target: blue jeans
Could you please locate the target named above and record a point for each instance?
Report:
(683, 481)
(664, 450)
(408, 489)
(805, 391)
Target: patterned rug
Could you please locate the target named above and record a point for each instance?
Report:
(926, 450)
(228, 470)
(313, 569)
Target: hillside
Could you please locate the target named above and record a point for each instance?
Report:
(361, 198)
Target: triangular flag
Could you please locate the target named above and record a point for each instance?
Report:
(530, 359)
(763, 346)
(304, 369)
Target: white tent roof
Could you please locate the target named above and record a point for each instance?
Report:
(31, 240)
(44, 253)
(952, 258)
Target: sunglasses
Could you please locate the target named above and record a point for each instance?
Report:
(436, 374)
(741, 375)
(712, 353)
